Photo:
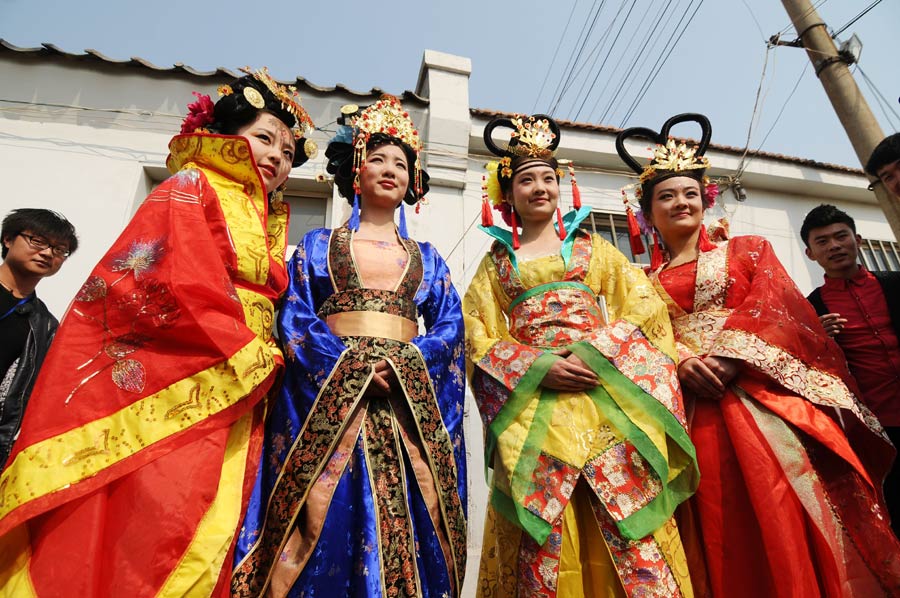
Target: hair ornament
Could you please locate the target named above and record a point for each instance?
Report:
(254, 98)
(200, 114)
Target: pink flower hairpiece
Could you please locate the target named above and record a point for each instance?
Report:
(710, 193)
(200, 114)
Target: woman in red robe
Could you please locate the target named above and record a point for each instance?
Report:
(791, 463)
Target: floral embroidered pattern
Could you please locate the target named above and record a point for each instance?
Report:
(552, 484)
(148, 302)
(507, 362)
(555, 318)
(712, 279)
(389, 494)
(629, 350)
(642, 568)
(623, 480)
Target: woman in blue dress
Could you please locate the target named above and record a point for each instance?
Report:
(362, 488)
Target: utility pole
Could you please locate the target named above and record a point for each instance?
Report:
(849, 104)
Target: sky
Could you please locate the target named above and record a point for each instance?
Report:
(520, 51)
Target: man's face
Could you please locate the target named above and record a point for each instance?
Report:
(834, 247)
(33, 255)
(889, 175)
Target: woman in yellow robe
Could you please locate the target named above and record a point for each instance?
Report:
(571, 359)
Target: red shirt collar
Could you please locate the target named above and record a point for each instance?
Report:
(839, 284)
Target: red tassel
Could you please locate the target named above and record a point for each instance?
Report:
(576, 194)
(559, 223)
(418, 207)
(487, 218)
(634, 233)
(656, 257)
(515, 229)
(703, 241)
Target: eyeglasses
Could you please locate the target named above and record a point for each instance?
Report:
(41, 244)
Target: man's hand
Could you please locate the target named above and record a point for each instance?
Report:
(832, 323)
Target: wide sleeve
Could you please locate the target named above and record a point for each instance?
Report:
(629, 295)
(497, 364)
(442, 346)
(773, 328)
(145, 359)
(311, 348)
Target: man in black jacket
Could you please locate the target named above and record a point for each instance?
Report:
(36, 242)
(861, 310)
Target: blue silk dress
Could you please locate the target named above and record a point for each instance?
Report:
(361, 495)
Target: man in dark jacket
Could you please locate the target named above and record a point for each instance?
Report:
(861, 310)
(36, 242)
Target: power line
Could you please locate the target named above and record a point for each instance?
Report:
(555, 53)
(662, 64)
(755, 20)
(646, 56)
(565, 80)
(762, 78)
(780, 112)
(882, 101)
(805, 13)
(642, 54)
(608, 54)
(855, 19)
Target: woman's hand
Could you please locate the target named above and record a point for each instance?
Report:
(383, 380)
(698, 379)
(724, 368)
(570, 374)
(832, 323)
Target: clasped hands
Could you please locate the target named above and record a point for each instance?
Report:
(569, 374)
(707, 377)
(384, 379)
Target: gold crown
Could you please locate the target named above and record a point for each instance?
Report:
(674, 157)
(534, 137)
(287, 95)
(388, 117)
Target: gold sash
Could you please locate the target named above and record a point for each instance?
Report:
(372, 323)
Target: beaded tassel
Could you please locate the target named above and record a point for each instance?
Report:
(515, 231)
(703, 241)
(487, 217)
(353, 223)
(656, 257)
(576, 194)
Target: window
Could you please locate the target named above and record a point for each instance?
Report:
(307, 213)
(880, 255)
(614, 228)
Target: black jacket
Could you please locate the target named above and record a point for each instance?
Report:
(15, 388)
(890, 286)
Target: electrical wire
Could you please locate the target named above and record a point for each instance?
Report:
(641, 56)
(608, 54)
(805, 13)
(553, 60)
(882, 101)
(753, 115)
(566, 79)
(659, 67)
(855, 19)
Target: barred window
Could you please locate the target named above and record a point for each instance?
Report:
(614, 228)
(880, 255)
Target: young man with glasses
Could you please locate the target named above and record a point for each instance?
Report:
(36, 242)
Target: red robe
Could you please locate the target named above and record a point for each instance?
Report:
(140, 443)
(789, 502)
